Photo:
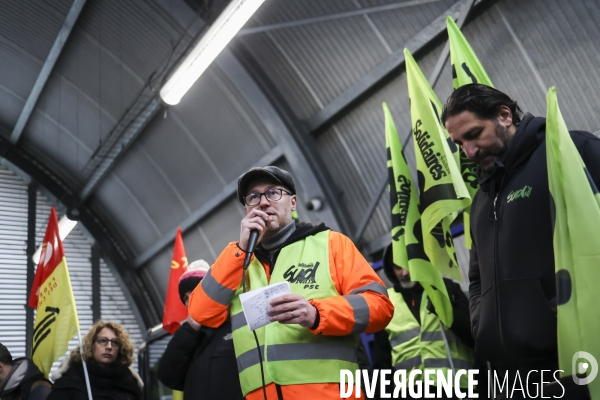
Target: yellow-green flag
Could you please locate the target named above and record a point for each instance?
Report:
(442, 192)
(466, 68)
(576, 213)
(56, 320)
(407, 246)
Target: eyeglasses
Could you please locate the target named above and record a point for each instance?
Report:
(275, 194)
(104, 342)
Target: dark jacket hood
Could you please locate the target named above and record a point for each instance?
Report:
(530, 133)
(388, 266)
(22, 370)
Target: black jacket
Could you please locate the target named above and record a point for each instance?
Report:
(116, 382)
(512, 288)
(201, 363)
(24, 382)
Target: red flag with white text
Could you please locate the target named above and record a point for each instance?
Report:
(51, 294)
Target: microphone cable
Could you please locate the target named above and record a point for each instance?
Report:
(251, 242)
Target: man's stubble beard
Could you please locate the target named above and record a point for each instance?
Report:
(503, 140)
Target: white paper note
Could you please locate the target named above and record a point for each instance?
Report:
(256, 303)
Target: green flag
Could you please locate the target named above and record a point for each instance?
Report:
(466, 68)
(442, 192)
(576, 214)
(407, 246)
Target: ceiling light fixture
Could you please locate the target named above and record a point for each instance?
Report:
(65, 226)
(226, 26)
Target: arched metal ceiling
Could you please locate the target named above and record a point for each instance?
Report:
(301, 86)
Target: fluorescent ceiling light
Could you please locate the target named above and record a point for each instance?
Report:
(65, 226)
(227, 25)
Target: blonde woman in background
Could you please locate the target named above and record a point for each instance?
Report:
(108, 353)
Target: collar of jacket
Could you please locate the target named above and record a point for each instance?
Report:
(530, 133)
(302, 230)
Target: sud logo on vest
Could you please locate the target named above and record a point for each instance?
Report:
(303, 274)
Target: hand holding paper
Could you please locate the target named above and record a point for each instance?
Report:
(256, 303)
(292, 309)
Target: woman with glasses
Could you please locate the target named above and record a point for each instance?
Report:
(108, 353)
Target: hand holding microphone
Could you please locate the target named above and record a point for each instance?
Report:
(254, 222)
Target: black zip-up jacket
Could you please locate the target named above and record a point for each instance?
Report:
(512, 287)
(201, 363)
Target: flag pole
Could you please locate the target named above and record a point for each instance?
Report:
(448, 354)
(85, 371)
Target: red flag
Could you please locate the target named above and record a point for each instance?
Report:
(52, 254)
(175, 311)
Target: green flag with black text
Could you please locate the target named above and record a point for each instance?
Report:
(407, 246)
(576, 215)
(466, 69)
(442, 192)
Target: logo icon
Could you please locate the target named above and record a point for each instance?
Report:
(580, 367)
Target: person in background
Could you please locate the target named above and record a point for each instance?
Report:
(20, 379)
(413, 339)
(335, 296)
(200, 361)
(108, 354)
(513, 297)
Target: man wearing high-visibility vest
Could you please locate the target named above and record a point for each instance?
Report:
(336, 295)
(413, 339)
(513, 294)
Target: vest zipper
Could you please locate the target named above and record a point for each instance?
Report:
(498, 307)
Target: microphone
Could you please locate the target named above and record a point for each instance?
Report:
(251, 243)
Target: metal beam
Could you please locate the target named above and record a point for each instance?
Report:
(122, 136)
(433, 79)
(207, 207)
(96, 306)
(367, 83)
(333, 17)
(31, 214)
(94, 223)
(47, 68)
(299, 148)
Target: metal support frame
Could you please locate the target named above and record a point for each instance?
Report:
(47, 68)
(122, 136)
(333, 17)
(96, 306)
(299, 147)
(465, 8)
(207, 208)
(364, 86)
(31, 215)
(151, 312)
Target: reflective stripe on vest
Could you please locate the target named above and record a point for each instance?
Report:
(292, 354)
(213, 289)
(422, 347)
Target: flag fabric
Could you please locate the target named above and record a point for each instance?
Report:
(442, 192)
(51, 294)
(466, 69)
(576, 215)
(407, 237)
(175, 310)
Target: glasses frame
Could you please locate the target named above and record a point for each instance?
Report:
(114, 342)
(260, 195)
